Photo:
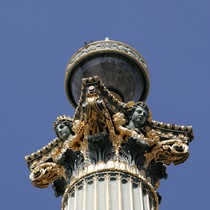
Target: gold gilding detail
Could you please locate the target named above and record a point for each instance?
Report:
(169, 151)
(75, 141)
(111, 165)
(125, 133)
(100, 116)
(45, 174)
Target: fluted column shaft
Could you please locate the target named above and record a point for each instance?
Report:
(110, 191)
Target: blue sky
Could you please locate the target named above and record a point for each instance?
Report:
(37, 38)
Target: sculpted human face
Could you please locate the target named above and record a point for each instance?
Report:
(63, 131)
(139, 117)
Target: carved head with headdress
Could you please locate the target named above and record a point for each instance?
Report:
(139, 114)
(63, 127)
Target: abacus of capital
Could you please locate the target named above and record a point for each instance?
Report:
(111, 154)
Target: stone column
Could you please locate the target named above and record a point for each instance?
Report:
(103, 187)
